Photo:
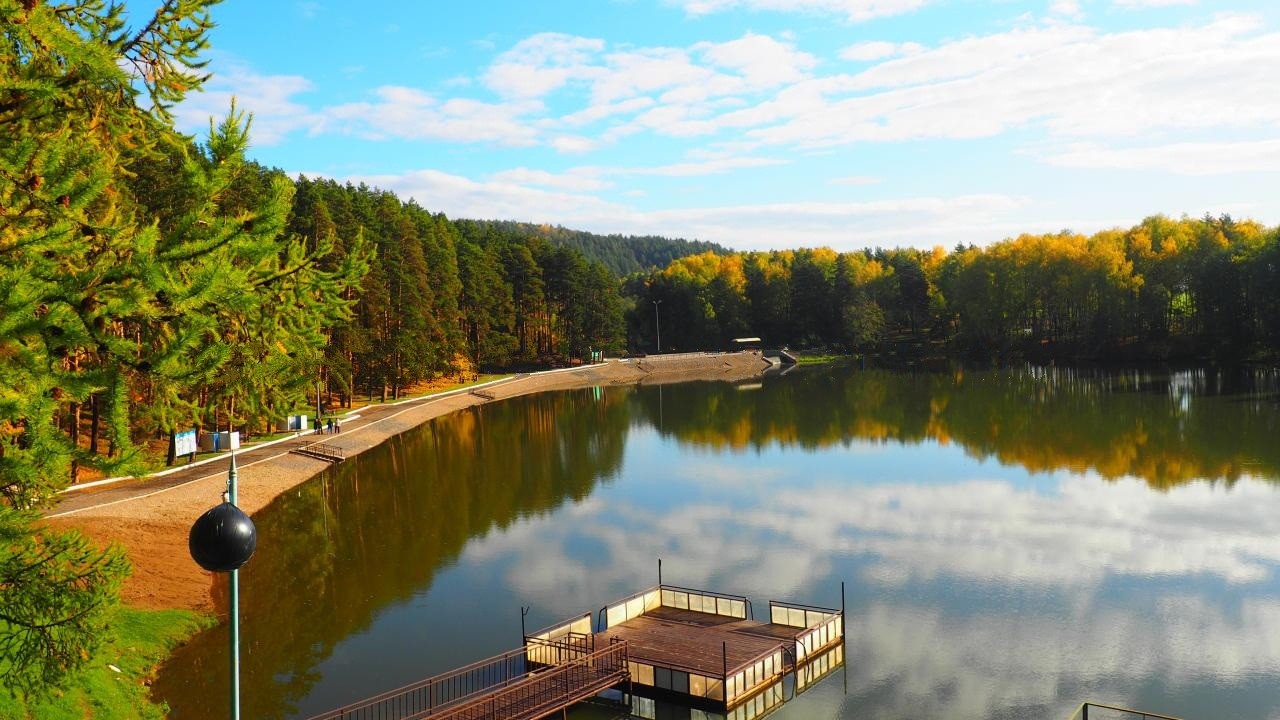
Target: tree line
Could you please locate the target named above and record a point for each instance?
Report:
(622, 254)
(448, 296)
(1207, 287)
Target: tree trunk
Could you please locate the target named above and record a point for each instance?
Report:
(93, 424)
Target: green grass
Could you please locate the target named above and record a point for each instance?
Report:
(139, 640)
(818, 359)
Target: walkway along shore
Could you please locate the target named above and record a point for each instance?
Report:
(151, 516)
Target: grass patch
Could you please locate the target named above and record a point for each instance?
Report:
(139, 641)
(819, 359)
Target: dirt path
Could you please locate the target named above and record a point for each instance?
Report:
(151, 516)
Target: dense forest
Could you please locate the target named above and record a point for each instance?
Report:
(1164, 288)
(622, 254)
(446, 296)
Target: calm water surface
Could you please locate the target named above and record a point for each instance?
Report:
(1014, 542)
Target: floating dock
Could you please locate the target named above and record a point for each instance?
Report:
(701, 645)
(696, 646)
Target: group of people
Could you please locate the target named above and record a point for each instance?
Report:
(329, 427)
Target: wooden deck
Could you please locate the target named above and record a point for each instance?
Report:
(697, 642)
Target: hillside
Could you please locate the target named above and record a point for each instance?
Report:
(623, 254)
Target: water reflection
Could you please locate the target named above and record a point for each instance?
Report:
(1167, 428)
(1083, 563)
(371, 534)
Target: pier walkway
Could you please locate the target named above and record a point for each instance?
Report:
(510, 686)
(700, 646)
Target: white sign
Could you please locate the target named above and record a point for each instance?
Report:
(185, 443)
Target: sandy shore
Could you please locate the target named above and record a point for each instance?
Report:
(151, 522)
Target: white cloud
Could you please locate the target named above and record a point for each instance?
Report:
(574, 181)
(878, 50)
(269, 98)
(761, 61)
(1066, 8)
(1201, 158)
(497, 199)
(852, 10)
(409, 113)
(1072, 80)
(542, 63)
(574, 144)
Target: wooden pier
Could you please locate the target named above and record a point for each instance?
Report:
(509, 686)
(708, 646)
(701, 647)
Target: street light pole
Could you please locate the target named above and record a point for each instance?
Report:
(657, 325)
(222, 540)
(235, 605)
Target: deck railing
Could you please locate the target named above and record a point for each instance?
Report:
(747, 679)
(819, 667)
(821, 627)
(545, 692)
(441, 691)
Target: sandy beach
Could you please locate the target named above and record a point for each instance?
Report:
(150, 517)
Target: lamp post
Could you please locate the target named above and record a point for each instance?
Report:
(222, 540)
(657, 325)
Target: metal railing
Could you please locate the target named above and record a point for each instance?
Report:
(1113, 712)
(440, 691)
(546, 692)
(322, 451)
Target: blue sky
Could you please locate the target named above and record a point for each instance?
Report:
(770, 123)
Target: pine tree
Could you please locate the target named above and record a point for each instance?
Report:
(76, 268)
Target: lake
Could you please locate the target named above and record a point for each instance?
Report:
(1013, 542)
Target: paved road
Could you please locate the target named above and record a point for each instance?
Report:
(78, 501)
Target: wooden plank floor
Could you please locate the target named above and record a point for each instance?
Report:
(693, 641)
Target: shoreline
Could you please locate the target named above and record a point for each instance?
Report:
(152, 523)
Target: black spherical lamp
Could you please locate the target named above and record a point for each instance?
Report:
(222, 539)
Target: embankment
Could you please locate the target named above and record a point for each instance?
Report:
(151, 522)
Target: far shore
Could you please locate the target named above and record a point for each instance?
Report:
(151, 522)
